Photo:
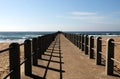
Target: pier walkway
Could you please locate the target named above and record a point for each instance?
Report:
(63, 60)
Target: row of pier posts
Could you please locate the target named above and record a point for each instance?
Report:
(86, 44)
(33, 50)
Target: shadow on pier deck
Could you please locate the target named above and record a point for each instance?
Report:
(63, 60)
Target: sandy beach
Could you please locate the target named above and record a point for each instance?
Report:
(4, 58)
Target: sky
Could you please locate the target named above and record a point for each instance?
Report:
(62, 15)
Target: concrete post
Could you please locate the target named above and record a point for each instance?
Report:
(98, 50)
(91, 47)
(109, 55)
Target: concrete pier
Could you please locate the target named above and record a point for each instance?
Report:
(63, 60)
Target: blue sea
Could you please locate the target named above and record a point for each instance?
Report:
(21, 36)
(97, 32)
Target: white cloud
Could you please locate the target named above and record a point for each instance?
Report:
(90, 20)
(83, 13)
(89, 17)
(86, 17)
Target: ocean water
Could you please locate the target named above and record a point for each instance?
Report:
(19, 36)
(99, 33)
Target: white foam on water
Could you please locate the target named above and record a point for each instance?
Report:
(11, 41)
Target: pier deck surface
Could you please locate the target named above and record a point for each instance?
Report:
(63, 60)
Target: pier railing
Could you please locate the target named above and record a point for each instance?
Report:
(33, 49)
(94, 48)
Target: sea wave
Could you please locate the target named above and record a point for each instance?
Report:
(19, 39)
(19, 36)
(11, 41)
